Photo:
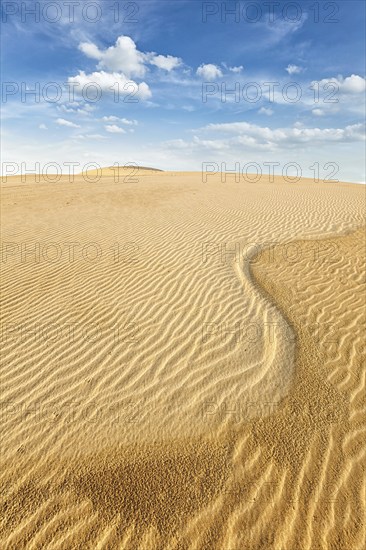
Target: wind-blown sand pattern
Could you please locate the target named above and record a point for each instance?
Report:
(219, 401)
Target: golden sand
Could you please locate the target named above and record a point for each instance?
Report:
(160, 391)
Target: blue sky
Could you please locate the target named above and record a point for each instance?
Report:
(177, 59)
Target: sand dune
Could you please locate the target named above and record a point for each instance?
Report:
(121, 172)
(182, 363)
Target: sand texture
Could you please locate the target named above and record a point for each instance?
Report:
(183, 364)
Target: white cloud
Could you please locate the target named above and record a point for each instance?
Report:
(293, 69)
(89, 108)
(86, 109)
(167, 62)
(236, 69)
(318, 112)
(43, 127)
(126, 121)
(289, 136)
(111, 118)
(83, 112)
(281, 28)
(209, 71)
(90, 136)
(91, 50)
(113, 83)
(129, 122)
(63, 122)
(229, 142)
(123, 57)
(265, 111)
(114, 129)
(353, 84)
(95, 136)
(65, 109)
(77, 108)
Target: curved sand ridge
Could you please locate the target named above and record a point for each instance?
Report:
(173, 370)
(180, 341)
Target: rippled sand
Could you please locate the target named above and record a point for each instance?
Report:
(182, 363)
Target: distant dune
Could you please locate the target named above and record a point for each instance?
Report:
(112, 171)
(182, 363)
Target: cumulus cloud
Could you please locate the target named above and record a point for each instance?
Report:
(42, 127)
(293, 69)
(168, 62)
(265, 111)
(353, 84)
(112, 83)
(236, 69)
(318, 112)
(77, 108)
(119, 66)
(229, 142)
(126, 121)
(209, 71)
(68, 123)
(123, 57)
(212, 145)
(90, 136)
(290, 136)
(114, 129)
(90, 50)
(131, 122)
